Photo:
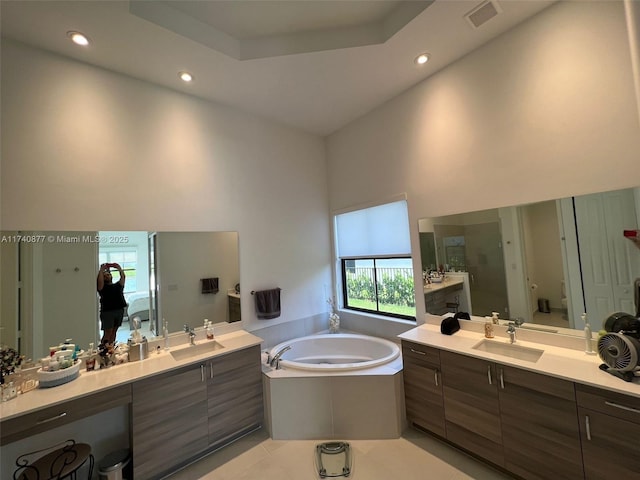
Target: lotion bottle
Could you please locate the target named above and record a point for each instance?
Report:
(488, 327)
(209, 330)
(587, 336)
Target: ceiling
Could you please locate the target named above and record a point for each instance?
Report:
(313, 65)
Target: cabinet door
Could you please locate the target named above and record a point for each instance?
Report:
(169, 421)
(540, 432)
(423, 387)
(234, 395)
(472, 414)
(609, 428)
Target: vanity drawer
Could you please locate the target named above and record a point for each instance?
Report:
(421, 352)
(615, 404)
(48, 418)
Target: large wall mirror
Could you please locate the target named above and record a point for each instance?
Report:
(546, 262)
(48, 284)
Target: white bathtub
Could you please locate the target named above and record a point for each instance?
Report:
(331, 386)
(336, 352)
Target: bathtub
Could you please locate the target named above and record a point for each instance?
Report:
(335, 386)
(336, 352)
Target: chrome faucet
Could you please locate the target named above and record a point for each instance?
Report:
(275, 361)
(191, 333)
(511, 330)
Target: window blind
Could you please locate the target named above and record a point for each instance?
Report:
(376, 231)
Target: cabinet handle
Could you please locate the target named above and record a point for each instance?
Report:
(202, 373)
(417, 351)
(211, 365)
(47, 420)
(502, 379)
(622, 407)
(587, 426)
(435, 377)
(489, 374)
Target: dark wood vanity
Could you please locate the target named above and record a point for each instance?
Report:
(532, 425)
(176, 415)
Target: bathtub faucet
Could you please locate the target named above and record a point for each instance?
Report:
(275, 361)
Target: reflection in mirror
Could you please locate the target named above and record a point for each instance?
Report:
(546, 262)
(48, 284)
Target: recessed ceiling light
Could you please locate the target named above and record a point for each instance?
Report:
(185, 76)
(78, 38)
(422, 58)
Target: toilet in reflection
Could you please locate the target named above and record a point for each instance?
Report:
(563, 299)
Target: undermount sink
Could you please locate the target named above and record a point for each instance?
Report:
(512, 350)
(195, 350)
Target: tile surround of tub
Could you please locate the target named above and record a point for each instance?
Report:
(275, 334)
(334, 407)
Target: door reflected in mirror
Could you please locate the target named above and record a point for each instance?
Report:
(49, 289)
(547, 262)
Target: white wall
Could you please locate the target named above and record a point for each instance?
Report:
(71, 132)
(544, 111)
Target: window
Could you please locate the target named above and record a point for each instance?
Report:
(127, 258)
(380, 285)
(374, 251)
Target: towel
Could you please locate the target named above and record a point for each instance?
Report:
(268, 303)
(209, 285)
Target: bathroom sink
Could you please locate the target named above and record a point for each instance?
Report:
(196, 350)
(509, 350)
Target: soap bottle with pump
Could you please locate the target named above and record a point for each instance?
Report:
(488, 327)
(209, 330)
(90, 362)
(495, 318)
(587, 336)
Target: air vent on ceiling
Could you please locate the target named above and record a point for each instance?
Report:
(483, 13)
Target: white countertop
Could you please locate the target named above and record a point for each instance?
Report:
(565, 363)
(94, 381)
(447, 282)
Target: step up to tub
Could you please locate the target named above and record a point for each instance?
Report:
(333, 459)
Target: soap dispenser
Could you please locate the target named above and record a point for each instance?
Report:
(488, 327)
(209, 330)
(587, 336)
(495, 318)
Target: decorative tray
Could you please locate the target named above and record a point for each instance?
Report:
(59, 377)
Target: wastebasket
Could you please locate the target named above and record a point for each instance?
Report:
(111, 466)
(543, 305)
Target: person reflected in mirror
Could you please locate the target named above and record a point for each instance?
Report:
(112, 303)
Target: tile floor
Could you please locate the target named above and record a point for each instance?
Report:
(553, 318)
(413, 456)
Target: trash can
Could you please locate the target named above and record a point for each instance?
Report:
(111, 466)
(543, 305)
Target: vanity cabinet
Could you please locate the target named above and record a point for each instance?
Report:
(520, 420)
(40, 421)
(609, 428)
(471, 407)
(169, 420)
(540, 432)
(178, 416)
(234, 395)
(423, 387)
